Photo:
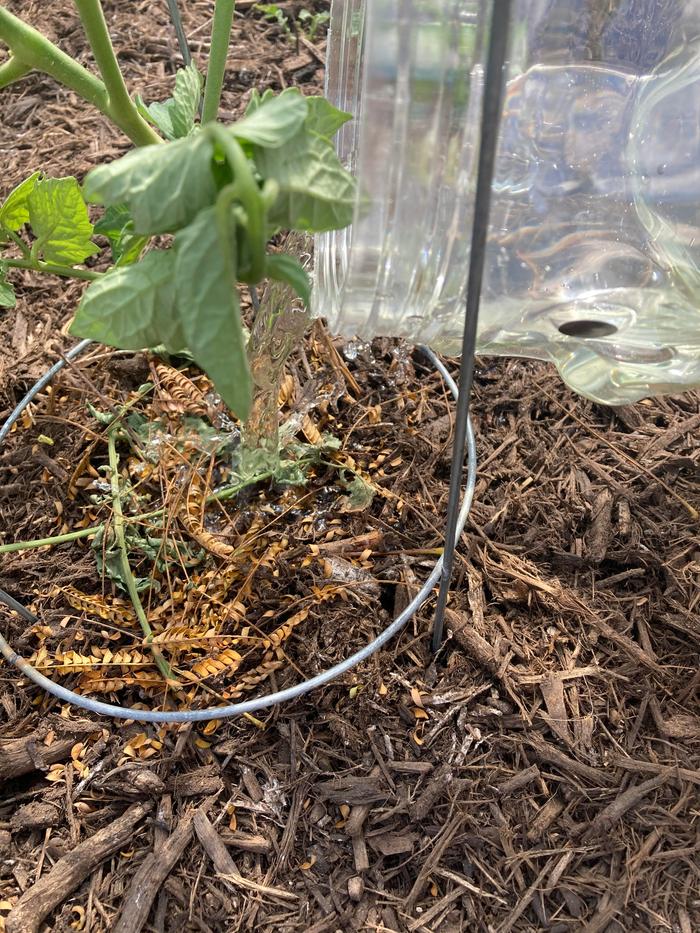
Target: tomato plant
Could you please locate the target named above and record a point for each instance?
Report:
(220, 193)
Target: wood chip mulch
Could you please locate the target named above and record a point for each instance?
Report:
(543, 774)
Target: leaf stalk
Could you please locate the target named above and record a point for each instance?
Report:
(50, 268)
(12, 70)
(161, 663)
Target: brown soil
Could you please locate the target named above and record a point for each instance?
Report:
(543, 775)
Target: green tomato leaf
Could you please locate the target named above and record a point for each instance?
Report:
(186, 97)
(59, 220)
(211, 315)
(164, 186)
(130, 248)
(113, 222)
(15, 212)
(285, 268)
(133, 307)
(324, 119)
(316, 192)
(160, 115)
(7, 292)
(116, 224)
(175, 117)
(273, 121)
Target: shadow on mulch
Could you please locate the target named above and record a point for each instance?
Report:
(543, 776)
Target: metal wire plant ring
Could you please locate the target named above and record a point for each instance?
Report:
(248, 706)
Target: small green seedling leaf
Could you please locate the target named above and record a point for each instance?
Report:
(323, 118)
(175, 117)
(59, 220)
(273, 121)
(359, 497)
(133, 307)
(211, 317)
(312, 22)
(7, 292)
(14, 213)
(116, 224)
(316, 192)
(163, 186)
(285, 268)
(257, 99)
(275, 13)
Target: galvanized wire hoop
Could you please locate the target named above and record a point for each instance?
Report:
(247, 706)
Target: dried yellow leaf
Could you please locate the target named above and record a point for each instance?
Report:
(374, 414)
(416, 697)
(56, 773)
(310, 431)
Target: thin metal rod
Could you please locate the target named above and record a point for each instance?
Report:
(490, 120)
(176, 20)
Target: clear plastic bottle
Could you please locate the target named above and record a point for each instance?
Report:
(593, 259)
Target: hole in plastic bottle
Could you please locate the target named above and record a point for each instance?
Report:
(587, 329)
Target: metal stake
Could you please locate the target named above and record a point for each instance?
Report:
(490, 120)
(176, 20)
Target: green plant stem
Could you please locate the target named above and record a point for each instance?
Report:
(123, 108)
(88, 275)
(36, 52)
(12, 70)
(56, 539)
(128, 576)
(218, 53)
(244, 189)
(19, 242)
(228, 493)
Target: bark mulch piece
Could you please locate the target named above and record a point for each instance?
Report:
(542, 775)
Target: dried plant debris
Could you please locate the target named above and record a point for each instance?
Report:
(543, 775)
